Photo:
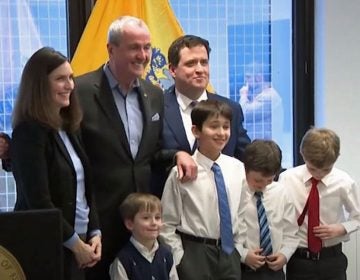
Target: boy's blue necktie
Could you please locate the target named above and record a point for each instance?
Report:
(265, 236)
(226, 234)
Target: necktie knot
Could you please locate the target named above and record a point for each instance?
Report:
(258, 195)
(314, 181)
(215, 168)
(193, 104)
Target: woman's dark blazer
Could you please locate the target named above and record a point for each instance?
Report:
(44, 173)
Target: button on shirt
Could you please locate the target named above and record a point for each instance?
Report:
(129, 109)
(281, 217)
(185, 111)
(192, 207)
(337, 192)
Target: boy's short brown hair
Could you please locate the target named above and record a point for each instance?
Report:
(209, 108)
(136, 202)
(263, 156)
(320, 147)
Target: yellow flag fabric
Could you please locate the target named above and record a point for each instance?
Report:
(91, 52)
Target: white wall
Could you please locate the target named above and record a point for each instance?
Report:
(337, 90)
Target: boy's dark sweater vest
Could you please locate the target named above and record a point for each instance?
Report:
(139, 268)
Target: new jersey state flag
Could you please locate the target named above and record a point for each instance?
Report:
(91, 51)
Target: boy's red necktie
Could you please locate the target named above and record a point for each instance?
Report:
(312, 208)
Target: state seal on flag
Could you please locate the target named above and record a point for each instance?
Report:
(158, 72)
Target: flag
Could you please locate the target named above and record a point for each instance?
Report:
(91, 52)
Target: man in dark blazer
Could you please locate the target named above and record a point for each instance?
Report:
(116, 173)
(188, 58)
(104, 95)
(121, 130)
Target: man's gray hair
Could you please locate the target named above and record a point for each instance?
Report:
(117, 27)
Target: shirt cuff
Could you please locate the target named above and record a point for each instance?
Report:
(94, 233)
(71, 241)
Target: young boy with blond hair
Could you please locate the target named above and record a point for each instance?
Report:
(320, 193)
(143, 257)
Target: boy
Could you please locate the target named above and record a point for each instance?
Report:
(143, 257)
(320, 193)
(269, 215)
(202, 218)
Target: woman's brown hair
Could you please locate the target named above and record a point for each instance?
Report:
(34, 100)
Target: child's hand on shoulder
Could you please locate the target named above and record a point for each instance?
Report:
(329, 231)
(276, 261)
(254, 260)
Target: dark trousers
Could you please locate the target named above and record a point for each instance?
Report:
(262, 273)
(329, 264)
(208, 262)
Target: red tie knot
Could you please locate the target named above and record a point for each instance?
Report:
(314, 181)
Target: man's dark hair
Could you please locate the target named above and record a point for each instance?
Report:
(186, 41)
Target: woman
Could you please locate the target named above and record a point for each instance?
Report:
(48, 161)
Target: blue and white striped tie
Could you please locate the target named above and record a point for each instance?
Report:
(265, 236)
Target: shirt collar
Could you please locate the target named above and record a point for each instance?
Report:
(327, 179)
(205, 161)
(307, 177)
(112, 80)
(142, 249)
(184, 101)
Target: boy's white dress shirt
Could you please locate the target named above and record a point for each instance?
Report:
(280, 213)
(192, 207)
(337, 191)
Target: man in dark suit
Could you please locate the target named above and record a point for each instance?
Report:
(188, 58)
(121, 130)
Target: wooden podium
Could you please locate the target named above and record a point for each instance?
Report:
(31, 240)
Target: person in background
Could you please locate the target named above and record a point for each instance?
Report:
(143, 257)
(203, 219)
(321, 193)
(188, 58)
(5, 151)
(265, 254)
(50, 166)
(261, 103)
